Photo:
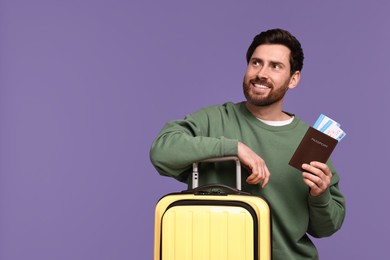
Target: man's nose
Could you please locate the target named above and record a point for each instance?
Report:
(262, 72)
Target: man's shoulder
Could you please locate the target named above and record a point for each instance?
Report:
(301, 121)
(224, 108)
(226, 105)
(299, 125)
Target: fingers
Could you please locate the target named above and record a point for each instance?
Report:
(255, 164)
(266, 177)
(318, 168)
(317, 177)
(259, 175)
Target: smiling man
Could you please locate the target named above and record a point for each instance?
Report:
(264, 137)
(268, 78)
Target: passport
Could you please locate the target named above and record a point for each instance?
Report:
(314, 146)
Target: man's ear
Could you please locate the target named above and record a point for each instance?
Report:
(294, 79)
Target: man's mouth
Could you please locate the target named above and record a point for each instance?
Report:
(261, 86)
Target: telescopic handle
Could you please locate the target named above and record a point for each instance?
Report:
(195, 172)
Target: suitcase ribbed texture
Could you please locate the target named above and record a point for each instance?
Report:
(208, 233)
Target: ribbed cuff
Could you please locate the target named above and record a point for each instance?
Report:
(229, 147)
(320, 200)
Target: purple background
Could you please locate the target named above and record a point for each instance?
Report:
(85, 86)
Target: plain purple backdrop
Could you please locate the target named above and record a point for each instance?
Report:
(85, 86)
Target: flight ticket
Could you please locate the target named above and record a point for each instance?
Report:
(329, 127)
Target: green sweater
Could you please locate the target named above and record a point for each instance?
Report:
(214, 132)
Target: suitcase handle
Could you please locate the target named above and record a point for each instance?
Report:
(195, 172)
(215, 189)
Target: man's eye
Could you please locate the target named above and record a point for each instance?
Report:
(277, 66)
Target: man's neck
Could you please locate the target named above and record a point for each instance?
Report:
(272, 112)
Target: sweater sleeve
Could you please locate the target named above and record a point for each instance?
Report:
(327, 211)
(182, 142)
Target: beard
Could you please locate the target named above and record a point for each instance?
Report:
(275, 95)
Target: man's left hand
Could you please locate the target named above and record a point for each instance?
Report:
(317, 176)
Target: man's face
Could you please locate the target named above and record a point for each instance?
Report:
(267, 77)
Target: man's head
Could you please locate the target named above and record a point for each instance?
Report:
(275, 59)
(282, 37)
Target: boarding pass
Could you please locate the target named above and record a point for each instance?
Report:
(329, 127)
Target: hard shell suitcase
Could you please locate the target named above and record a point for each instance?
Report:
(212, 222)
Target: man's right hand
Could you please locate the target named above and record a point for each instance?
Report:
(255, 164)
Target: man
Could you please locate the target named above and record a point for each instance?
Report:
(264, 137)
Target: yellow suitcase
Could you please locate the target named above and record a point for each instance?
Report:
(212, 222)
